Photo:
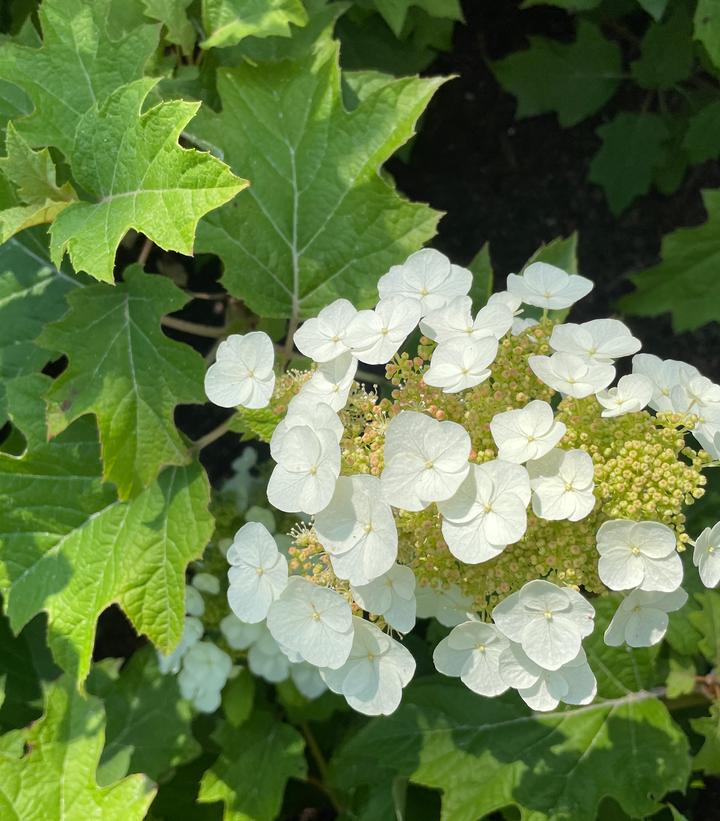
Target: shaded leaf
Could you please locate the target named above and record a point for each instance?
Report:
(701, 140)
(666, 55)
(708, 757)
(707, 622)
(173, 15)
(482, 272)
(707, 27)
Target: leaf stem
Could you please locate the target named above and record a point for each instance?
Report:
(210, 331)
(213, 435)
(145, 252)
(321, 765)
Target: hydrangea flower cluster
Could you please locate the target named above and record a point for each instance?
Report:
(500, 487)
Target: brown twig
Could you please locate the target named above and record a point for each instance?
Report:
(210, 331)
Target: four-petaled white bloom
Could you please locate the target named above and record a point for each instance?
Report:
(664, 374)
(510, 301)
(194, 602)
(331, 382)
(547, 286)
(571, 375)
(239, 634)
(242, 373)
(304, 410)
(448, 605)
(322, 338)
(258, 572)
(488, 511)
(562, 482)
(314, 622)
(427, 276)
(357, 529)
(543, 690)
(600, 340)
(425, 460)
(706, 555)
(526, 433)
(392, 596)
(205, 671)
(694, 393)
(375, 672)
(632, 394)
(458, 365)
(455, 321)
(267, 659)
(375, 336)
(472, 651)
(641, 620)
(638, 554)
(548, 621)
(308, 465)
(192, 633)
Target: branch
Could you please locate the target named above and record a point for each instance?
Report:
(213, 435)
(210, 331)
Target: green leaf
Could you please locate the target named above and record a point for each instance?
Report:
(482, 272)
(707, 622)
(148, 722)
(681, 678)
(38, 194)
(254, 424)
(684, 282)
(131, 377)
(632, 148)
(666, 56)
(238, 696)
(141, 178)
(395, 12)
(488, 754)
(701, 140)
(574, 80)
(573, 6)
(708, 758)
(69, 547)
(561, 251)
(173, 15)
(55, 778)
(318, 221)
(707, 27)
(655, 8)
(79, 64)
(256, 760)
(227, 22)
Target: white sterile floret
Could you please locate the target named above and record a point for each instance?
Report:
(192, 633)
(706, 555)
(206, 583)
(322, 338)
(664, 374)
(488, 511)
(547, 286)
(548, 621)
(242, 373)
(472, 651)
(314, 622)
(638, 554)
(458, 365)
(562, 482)
(632, 394)
(425, 460)
(455, 321)
(693, 393)
(307, 679)
(194, 602)
(543, 690)
(239, 634)
(258, 572)
(375, 336)
(449, 606)
(377, 669)
(205, 670)
(572, 375)
(520, 325)
(331, 382)
(600, 340)
(308, 465)
(391, 596)
(267, 659)
(510, 301)
(526, 433)
(641, 620)
(427, 276)
(357, 529)
(305, 410)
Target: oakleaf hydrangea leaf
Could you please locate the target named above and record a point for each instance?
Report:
(230, 21)
(685, 281)
(633, 147)
(70, 547)
(395, 12)
(148, 722)
(256, 760)
(173, 14)
(666, 56)
(255, 424)
(40, 199)
(79, 64)
(574, 80)
(707, 27)
(131, 377)
(55, 776)
(708, 757)
(488, 754)
(318, 221)
(141, 178)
